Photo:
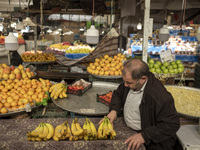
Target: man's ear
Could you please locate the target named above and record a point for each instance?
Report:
(143, 79)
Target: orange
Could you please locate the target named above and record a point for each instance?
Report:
(107, 61)
(4, 90)
(34, 97)
(4, 110)
(96, 72)
(16, 97)
(39, 90)
(115, 57)
(16, 86)
(28, 85)
(25, 101)
(1, 87)
(9, 81)
(21, 106)
(111, 72)
(8, 105)
(25, 95)
(23, 91)
(41, 95)
(96, 63)
(19, 83)
(10, 99)
(30, 93)
(105, 68)
(116, 73)
(93, 67)
(106, 73)
(3, 82)
(34, 86)
(45, 89)
(3, 101)
(14, 104)
(9, 87)
(37, 100)
(16, 80)
(97, 60)
(106, 56)
(19, 103)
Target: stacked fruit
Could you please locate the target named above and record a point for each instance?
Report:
(15, 94)
(44, 131)
(173, 67)
(107, 65)
(7, 72)
(58, 90)
(59, 46)
(107, 97)
(42, 57)
(79, 49)
(106, 130)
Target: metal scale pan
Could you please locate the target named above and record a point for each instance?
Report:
(87, 103)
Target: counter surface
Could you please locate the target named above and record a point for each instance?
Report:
(13, 135)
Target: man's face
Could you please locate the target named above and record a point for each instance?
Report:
(135, 85)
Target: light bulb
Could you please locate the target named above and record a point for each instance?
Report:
(139, 26)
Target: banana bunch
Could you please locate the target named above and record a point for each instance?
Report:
(106, 129)
(43, 82)
(58, 90)
(44, 131)
(90, 132)
(77, 131)
(62, 132)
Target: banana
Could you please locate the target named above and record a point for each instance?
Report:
(37, 131)
(43, 82)
(100, 131)
(93, 128)
(55, 90)
(110, 127)
(69, 133)
(55, 138)
(51, 131)
(54, 86)
(78, 127)
(45, 132)
(113, 134)
(57, 93)
(74, 130)
(71, 138)
(61, 95)
(58, 131)
(85, 128)
(64, 92)
(29, 138)
(107, 131)
(28, 133)
(89, 132)
(112, 131)
(32, 138)
(38, 139)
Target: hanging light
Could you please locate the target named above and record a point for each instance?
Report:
(164, 32)
(59, 29)
(19, 25)
(49, 31)
(11, 42)
(92, 36)
(139, 25)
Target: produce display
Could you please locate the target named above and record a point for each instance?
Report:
(20, 39)
(107, 66)
(45, 131)
(173, 67)
(186, 101)
(59, 48)
(58, 90)
(80, 49)
(105, 98)
(15, 94)
(13, 72)
(39, 57)
(33, 52)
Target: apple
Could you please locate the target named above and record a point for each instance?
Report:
(172, 63)
(5, 76)
(6, 70)
(166, 64)
(150, 66)
(12, 76)
(165, 71)
(12, 68)
(159, 63)
(21, 67)
(170, 67)
(32, 74)
(171, 71)
(180, 70)
(151, 61)
(156, 66)
(158, 70)
(24, 75)
(180, 66)
(175, 66)
(28, 70)
(16, 71)
(1, 70)
(1, 76)
(175, 71)
(178, 61)
(18, 76)
(162, 68)
(153, 70)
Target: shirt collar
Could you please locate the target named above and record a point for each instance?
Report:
(141, 90)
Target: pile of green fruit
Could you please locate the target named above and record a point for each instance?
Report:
(173, 67)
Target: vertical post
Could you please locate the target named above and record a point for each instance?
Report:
(145, 30)
(120, 35)
(35, 35)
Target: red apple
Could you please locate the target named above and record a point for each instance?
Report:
(12, 68)
(28, 70)
(6, 70)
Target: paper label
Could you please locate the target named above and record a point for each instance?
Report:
(87, 110)
(166, 56)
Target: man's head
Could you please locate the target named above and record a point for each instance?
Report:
(135, 73)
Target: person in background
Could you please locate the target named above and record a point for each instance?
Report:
(147, 107)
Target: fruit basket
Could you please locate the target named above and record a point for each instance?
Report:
(105, 98)
(75, 56)
(79, 87)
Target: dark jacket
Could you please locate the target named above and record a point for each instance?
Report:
(159, 118)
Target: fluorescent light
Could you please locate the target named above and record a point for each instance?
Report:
(49, 31)
(59, 29)
(81, 29)
(139, 26)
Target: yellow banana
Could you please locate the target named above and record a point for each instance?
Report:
(45, 132)
(58, 131)
(61, 95)
(43, 82)
(85, 128)
(75, 131)
(29, 138)
(113, 134)
(28, 133)
(93, 128)
(57, 93)
(38, 139)
(32, 138)
(54, 86)
(51, 131)
(37, 131)
(69, 133)
(55, 138)
(110, 127)
(55, 90)
(107, 131)
(89, 131)
(64, 92)
(112, 131)
(100, 131)
(71, 138)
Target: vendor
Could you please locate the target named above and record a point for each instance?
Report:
(147, 107)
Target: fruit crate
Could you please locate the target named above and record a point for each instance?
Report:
(103, 101)
(78, 92)
(117, 80)
(51, 112)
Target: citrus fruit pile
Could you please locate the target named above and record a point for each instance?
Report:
(107, 65)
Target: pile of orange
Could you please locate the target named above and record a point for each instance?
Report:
(107, 65)
(15, 94)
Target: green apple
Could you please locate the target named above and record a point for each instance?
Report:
(180, 66)
(162, 68)
(166, 64)
(178, 61)
(180, 70)
(170, 67)
(171, 71)
(159, 63)
(153, 70)
(156, 66)
(150, 66)
(165, 71)
(175, 66)
(175, 71)
(158, 70)
(151, 61)
(172, 63)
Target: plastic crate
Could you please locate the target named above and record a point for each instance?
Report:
(92, 78)
(103, 101)
(78, 92)
(75, 56)
(51, 112)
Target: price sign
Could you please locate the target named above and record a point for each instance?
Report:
(166, 56)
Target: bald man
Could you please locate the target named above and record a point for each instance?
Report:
(147, 107)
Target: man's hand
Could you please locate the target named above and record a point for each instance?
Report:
(135, 141)
(112, 116)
